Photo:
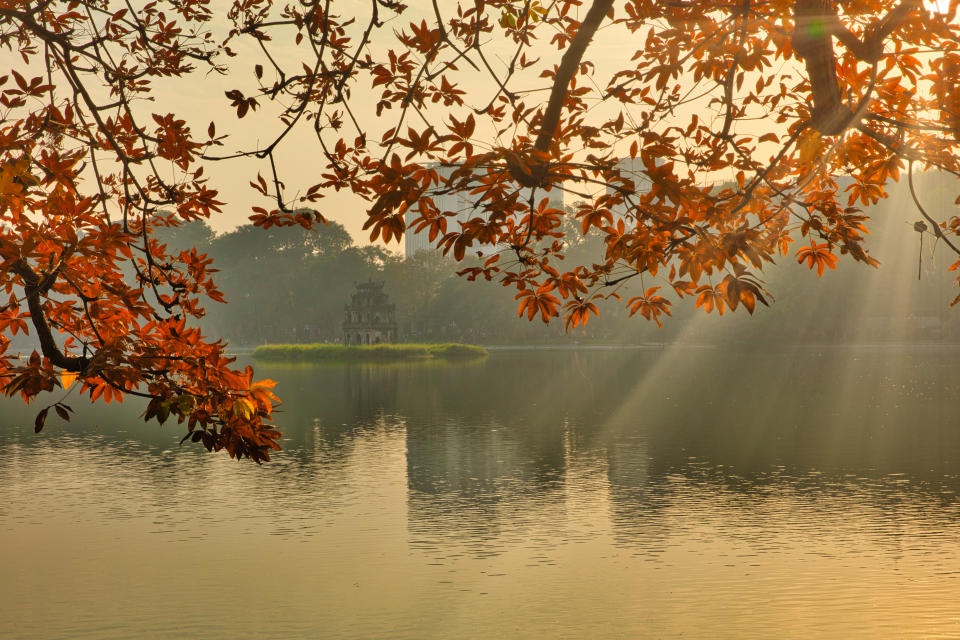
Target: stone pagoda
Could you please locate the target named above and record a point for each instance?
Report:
(370, 318)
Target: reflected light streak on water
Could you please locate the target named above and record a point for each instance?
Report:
(404, 508)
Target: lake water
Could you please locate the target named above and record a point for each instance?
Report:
(644, 493)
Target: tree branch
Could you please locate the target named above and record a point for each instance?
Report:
(34, 287)
(568, 67)
(816, 24)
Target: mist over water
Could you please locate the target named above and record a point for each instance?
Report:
(552, 493)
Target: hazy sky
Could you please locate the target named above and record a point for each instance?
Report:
(200, 99)
(299, 159)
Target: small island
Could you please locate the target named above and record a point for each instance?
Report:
(369, 332)
(367, 353)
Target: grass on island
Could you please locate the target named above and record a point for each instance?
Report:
(366, 353)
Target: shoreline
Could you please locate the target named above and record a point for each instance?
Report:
(325, 352)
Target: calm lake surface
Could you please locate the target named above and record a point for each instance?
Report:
(643, 493)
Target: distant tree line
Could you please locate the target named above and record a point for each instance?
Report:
(291, 285)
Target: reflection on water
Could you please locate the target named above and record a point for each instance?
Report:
(647, 493)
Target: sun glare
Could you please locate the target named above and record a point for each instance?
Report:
(938, 6)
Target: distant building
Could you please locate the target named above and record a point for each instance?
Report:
(633, 169)
(465, 206)
(369, 318)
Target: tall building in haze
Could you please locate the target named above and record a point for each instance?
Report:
(465, 207)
